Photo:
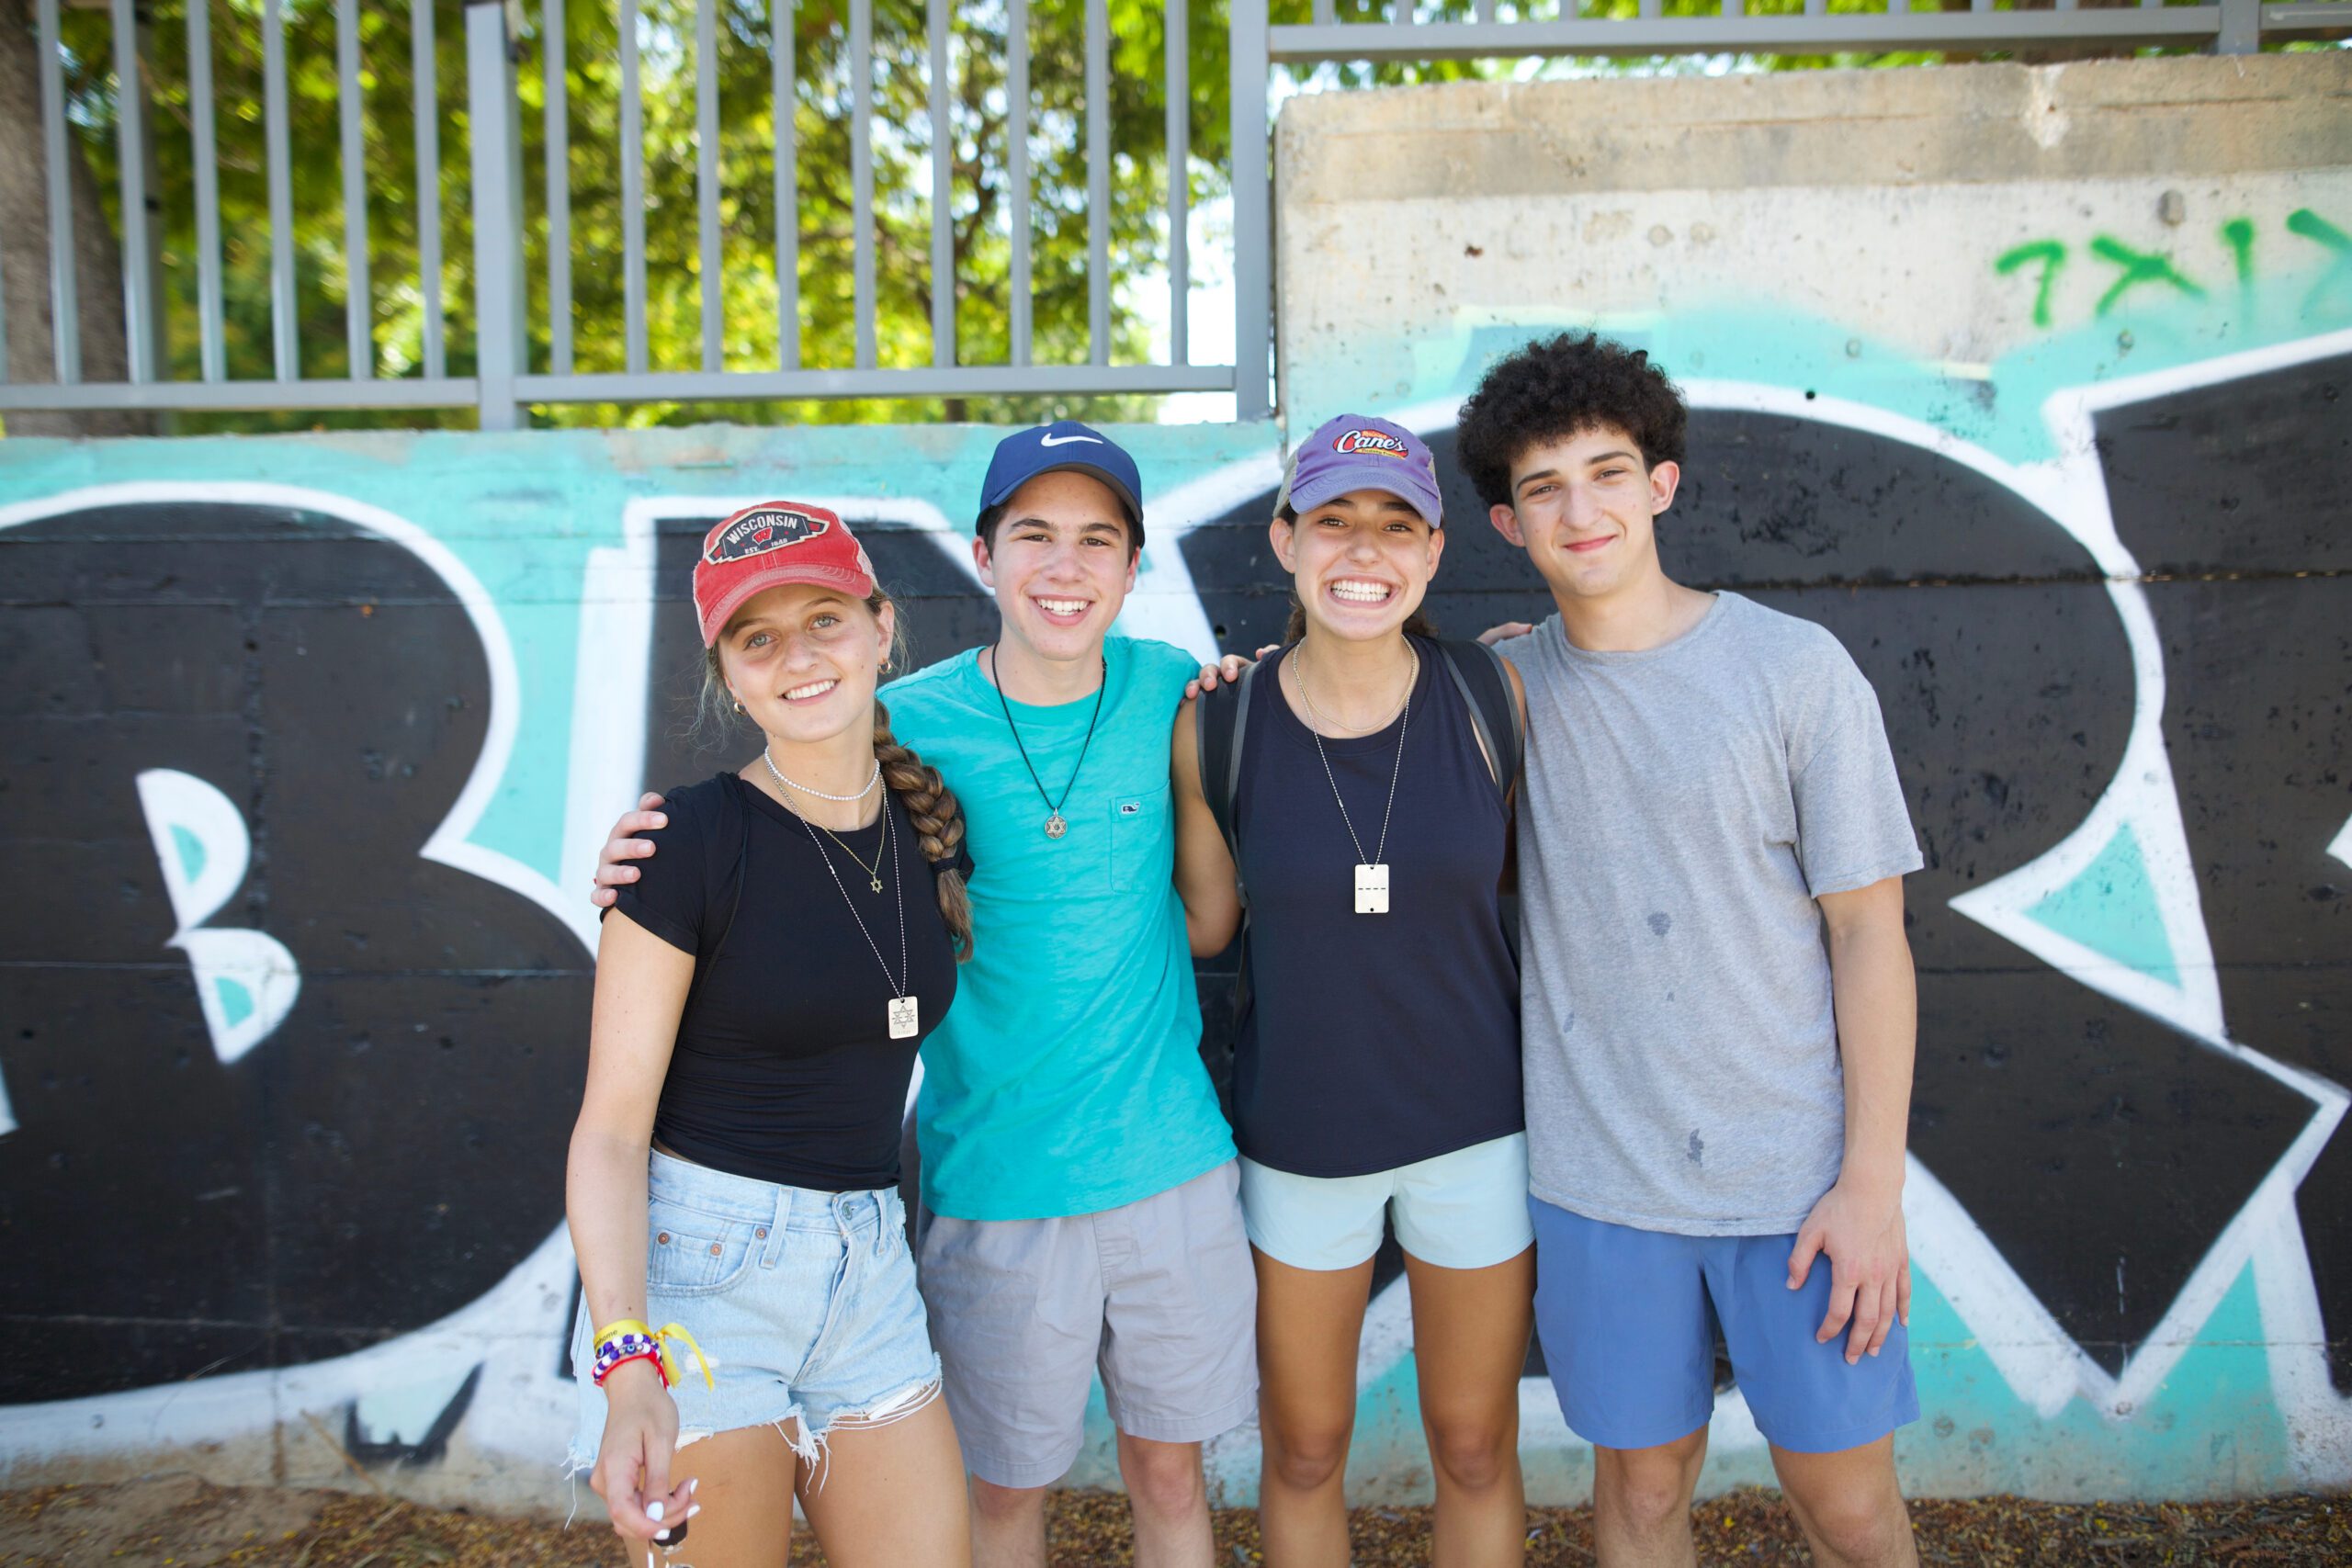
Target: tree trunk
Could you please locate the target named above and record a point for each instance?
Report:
(23, 251)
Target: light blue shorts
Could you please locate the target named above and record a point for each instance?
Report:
(1628, 1318)
(1462, 1210)
(804, 1302)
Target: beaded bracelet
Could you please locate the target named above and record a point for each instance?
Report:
(626, 1339)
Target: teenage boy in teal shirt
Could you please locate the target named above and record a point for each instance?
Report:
(1080, 1177)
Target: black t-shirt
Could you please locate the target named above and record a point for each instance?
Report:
(784, 1069)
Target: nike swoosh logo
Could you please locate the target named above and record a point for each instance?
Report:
(1066, 440)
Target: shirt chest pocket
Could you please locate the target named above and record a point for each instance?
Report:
(1142, 845)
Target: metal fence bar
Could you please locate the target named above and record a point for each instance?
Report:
(557, 137)
(631, 152)
(861, 173)
(428, 103)
(64, 302)
(1324, 13)
(131, 154)
(1177, 23)
(384, 393)
(1252, 222)
(2329, 16)
(2241, 27)
(359, 304)
(495, 145)
(212, 351)
(284, 351)
(942, 217)
(919, 381)
(1016, 175)
(1097, 182)
(2173, 24)
(714, 273)
(786, 91)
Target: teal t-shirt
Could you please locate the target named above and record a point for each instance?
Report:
(1066, 1078)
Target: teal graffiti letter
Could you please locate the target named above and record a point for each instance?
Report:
(2051, 256)
(2320, 231)
(2139, 267)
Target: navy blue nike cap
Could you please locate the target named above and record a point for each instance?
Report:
(1063, 444)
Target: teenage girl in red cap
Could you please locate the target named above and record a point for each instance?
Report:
(749, 1326)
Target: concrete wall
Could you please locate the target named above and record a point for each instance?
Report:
(310, 741)
(2032, 385)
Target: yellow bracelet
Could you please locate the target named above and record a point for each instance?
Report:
(624, 1337)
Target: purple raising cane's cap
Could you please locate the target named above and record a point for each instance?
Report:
(1358, 452)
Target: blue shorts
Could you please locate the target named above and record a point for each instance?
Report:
(805, 1303)
(1464, 1209)
(1627, 1320)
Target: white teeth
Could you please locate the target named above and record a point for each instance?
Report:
(1361, 592)
(814, 689)
(1061, 607)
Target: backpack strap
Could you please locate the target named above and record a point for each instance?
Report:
(1221, 726)
(1478, 674)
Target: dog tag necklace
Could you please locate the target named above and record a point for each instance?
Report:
(1372, 871)
(904, 1017)
(1056, 823)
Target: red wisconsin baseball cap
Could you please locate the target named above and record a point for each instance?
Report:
(771, 544)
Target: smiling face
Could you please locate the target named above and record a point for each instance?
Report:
(1360, 562)
(1583, 507)
(1061, 562)
(804, 660)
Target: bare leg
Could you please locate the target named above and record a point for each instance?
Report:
(1008, 1526)
(1171, 1500)
(1641, 1504)
(1470, 1329)
(892, 1493)
(1309, 1323)
(744, 1490)
(1849, 1505)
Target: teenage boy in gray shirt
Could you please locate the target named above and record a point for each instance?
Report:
(1717, 1002)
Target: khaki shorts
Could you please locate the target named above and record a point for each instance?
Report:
(1158, 1294)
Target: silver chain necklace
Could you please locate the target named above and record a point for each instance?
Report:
(871, 779)
(903, 1012)
(1372, 874)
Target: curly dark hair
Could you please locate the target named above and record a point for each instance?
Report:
(1559, 387)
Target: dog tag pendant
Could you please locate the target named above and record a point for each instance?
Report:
(1372, 889)
(902, 1018)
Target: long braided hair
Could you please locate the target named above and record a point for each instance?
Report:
(931, 807)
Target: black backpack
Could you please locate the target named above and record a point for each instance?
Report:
(1221, 719)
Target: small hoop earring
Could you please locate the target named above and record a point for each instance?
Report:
(739, 708)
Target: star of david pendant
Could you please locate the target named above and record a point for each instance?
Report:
(902, 1018)
(1055, 826)
(875, 884)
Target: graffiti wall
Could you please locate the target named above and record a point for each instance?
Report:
(313, 739)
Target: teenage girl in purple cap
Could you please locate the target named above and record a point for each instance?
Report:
(749, 1326)
(1353, 793)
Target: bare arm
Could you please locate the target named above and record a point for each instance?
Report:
(640, 993)
(1204, 875)
(1859, 1223)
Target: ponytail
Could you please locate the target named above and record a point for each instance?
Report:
(938, 820)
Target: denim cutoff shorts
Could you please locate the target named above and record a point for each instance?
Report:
(804, 1302)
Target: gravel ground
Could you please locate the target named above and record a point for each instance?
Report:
(179, 1522)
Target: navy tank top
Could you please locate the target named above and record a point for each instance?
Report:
(1369, 1042)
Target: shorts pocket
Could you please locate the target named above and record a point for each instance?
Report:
(689, 1253)
(1142, 844)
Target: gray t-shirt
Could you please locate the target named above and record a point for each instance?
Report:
(1684, 806)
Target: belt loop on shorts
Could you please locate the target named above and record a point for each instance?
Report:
(772, 1234)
